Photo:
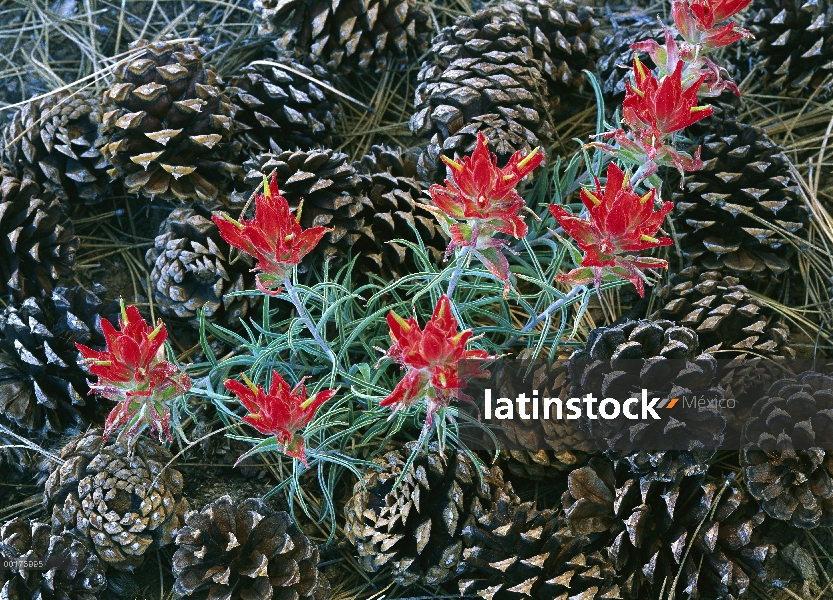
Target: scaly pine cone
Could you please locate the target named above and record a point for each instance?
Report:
(615, 64)
(278, 107)
(74, 571)
(39, 242)
(787, 456)
(743, 171)
(170, 125)
(42, 387)
(55, 142)
(124, 504)
(193, 269)
(415, 528)
(344, 36)
(245, 551)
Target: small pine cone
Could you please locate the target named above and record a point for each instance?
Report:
(615, 65)
(169, 125)
(482, 76)
(42, 387)
(415, 527)
(658, 529)
(346, 36)
(124, 504)
(793, 41)
(393, 191)
(660, 357)
(282, 107)
(744, 172)
(514, 551)
(193, 269)
(71, 570)
(329, 186)
(39, 239)
(724, 313)
(245, 551)
(55, 142)
(787, 452)
(544, 448)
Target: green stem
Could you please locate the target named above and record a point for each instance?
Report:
(304, 315)
(547, 312)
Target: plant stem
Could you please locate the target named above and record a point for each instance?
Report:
(548, 311)
(304, 315)
(464, 256)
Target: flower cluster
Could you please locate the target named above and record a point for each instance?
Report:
(133, 373)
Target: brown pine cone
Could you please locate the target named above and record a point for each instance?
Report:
(123, 504)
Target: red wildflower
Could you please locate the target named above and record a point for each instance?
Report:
(132, 373)
(281, 412)
(620, 221)
(696, 20)
(274, 237)
(431, 357)
(481, 201)
(709, 12)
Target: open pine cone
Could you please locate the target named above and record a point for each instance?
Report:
(169, 125)
(245, 551)
(55, 142)
(123, 504)
(193, 269)
(415, 528)
(72, 572)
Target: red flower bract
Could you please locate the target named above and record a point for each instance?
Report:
(281, 412)
(431, 359)
(707, 13)
(131, 373)
(274, 236)
(620, 221)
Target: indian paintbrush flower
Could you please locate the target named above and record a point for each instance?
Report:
(431, 358)
(282, 412)
(698, 22)
(133, 373)
(619, 222)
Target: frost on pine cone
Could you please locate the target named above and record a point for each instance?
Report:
(658, 529)
(482, 76)
(74, 571)
(169, 125)
(125, 504)
(54, 141)
(744, 172)
(193, 268)
(516, 552)
(389, 179)
(787, 456)
(415, 528)
(42, 387)
(278, 107)
(38, 238)
(345, 36)
(244, 550)
(794, 46)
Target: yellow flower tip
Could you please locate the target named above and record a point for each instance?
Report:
(231, 220)
(266, 191)
(697, 109)
(452, 163)
(298, 212)
(639, 66)
(528, 157)
(102, 363)
(402, 322)
(643, 199)
(593, 198)
(249, 383)
(626, 180)
(157, 329)
(648, 238)
(123, 311)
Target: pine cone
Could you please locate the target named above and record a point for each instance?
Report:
(615, 64)
(415, 528)
(282, 107)
(55, 142)
(346, 36)
(193, 269)
(744, 171)
(787, 457)
(72, 571)
(662, 358)
(389, 175)
(523, 553)
(794, 45)
(170, 125)
(482, 76)
(42, 387)
(124, 504)
(245, 550)
(659, 528)
(39, 242)
(329, 186)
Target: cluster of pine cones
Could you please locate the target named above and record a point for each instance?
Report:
(171, 128)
